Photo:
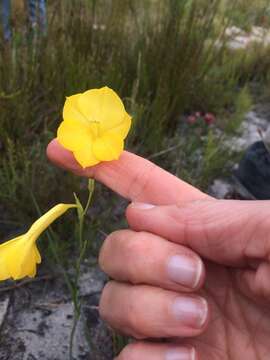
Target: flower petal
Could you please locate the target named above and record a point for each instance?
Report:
(71, 110)
(29, 263)
(73, 136)
(108, 147)
(12, 254)
(45, 220)
(86, 157)
(5, 249)
(4, 273)
(103, 106)
(121, 129)
(37, 255)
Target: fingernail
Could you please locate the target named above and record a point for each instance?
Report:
(142, 206)
(190, 311)
(185, 270)
(180, 354)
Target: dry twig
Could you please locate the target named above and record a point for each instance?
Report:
(25, 282)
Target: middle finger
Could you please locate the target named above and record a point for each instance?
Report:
(144, 258)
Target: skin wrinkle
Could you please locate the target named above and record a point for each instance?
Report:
(96, 174)
(226, 325)
(191, 226)
(135, 191)
(250, 336)
(249, 241)
(235, 289)
(240, 281)
(210, 345)
(261, 225)
(187, 221)
(206, 234)
(208, 227)
(214, 352)
(253, 231)
(133, 247)
(250, 294)
(266, 354)
(220, 306)
(221, 235)
(262, 290)
(225, 315)
(134, 320)
(227, 319)
(219, 352)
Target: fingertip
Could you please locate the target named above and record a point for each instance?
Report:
(59, 155)
(63, 158)
(142, 215)
(132, 217)
(201, 275)
(135, 208)
(51, 149)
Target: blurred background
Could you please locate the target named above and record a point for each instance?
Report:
(194, 75)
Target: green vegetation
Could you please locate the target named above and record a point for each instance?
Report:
(166, 59)
(248, 13)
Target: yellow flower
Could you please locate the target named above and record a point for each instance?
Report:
(18, 257)
(95, 126)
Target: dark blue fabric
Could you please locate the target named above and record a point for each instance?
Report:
(6, 19)
(254, 171)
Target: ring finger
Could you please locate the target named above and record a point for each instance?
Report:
(150, 312)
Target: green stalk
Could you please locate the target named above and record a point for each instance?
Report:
(82, 249)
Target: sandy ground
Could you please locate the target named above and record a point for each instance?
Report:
(36, 320)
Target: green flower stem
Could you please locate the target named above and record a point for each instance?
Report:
(73, 284)
(82, 249)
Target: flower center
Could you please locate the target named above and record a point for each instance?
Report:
(95, 128)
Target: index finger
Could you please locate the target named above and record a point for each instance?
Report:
(132, 176)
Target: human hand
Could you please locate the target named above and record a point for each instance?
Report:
(158, 289)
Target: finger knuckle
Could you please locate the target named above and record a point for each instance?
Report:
(102, 258)
(136, 319)
(135, 248)
(107, 248)
(141, 181)
(136, 244)
(104, 309)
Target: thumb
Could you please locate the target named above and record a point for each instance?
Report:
(227, 232)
